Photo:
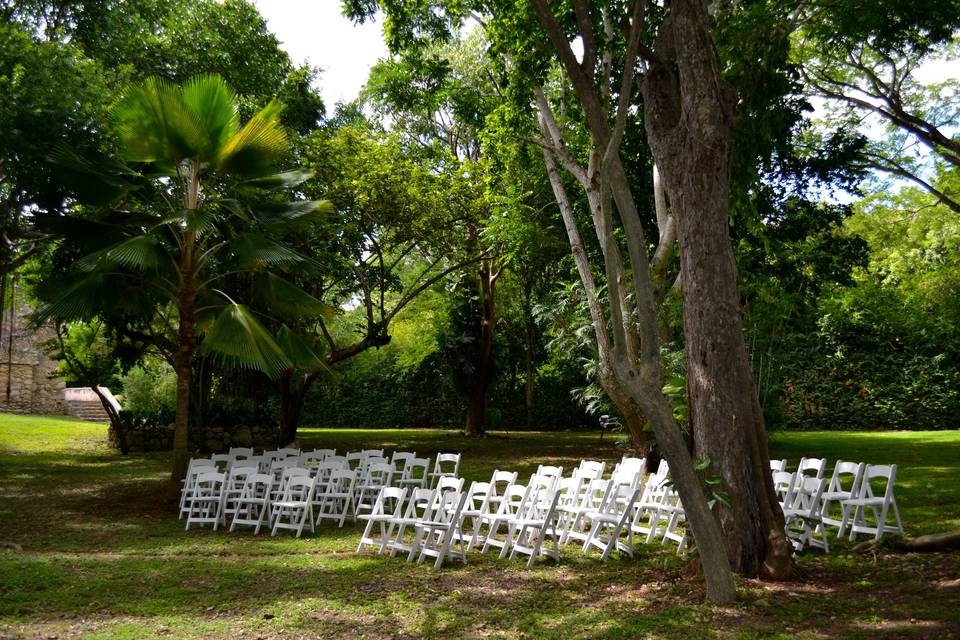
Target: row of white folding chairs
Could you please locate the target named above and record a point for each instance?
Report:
(413, 471)
(589, 510)
(809, 500)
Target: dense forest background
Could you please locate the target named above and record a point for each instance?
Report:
(440, 279)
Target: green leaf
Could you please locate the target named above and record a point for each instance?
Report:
(236, 338)
(300, 352)
(254, 250)
(701, 465)
(213, 106)
(289, 300)
(283, 212)
(281, 181)
(256, 147)
(141, 253)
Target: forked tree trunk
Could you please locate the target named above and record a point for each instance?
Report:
(689, 120)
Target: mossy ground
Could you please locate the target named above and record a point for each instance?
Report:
(103, 556)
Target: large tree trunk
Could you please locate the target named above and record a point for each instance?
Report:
(187, 344)
(689, 120)
(477, 400)
(293, 395)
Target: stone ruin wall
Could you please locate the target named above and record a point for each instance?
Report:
(27, 368)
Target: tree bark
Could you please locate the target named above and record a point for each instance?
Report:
(115, 421)
(689, 119)
(292, 398)
(477, 400)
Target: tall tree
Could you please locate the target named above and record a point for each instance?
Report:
(208, 170)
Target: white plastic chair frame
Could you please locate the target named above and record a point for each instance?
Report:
(855, 509)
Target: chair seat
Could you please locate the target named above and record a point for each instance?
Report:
(864, 502)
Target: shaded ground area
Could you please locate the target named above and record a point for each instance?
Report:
(103, 556)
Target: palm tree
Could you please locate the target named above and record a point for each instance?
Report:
(194, 205)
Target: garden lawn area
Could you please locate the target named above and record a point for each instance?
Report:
(104, 556)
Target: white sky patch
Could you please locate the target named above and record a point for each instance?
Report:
(315, 32)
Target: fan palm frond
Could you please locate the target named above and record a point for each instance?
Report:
(300, 352)
(256, 147)
(154, 123)
(284, 212)
(281, 181)
(236, 338)
(213, 105)
(254, 250)
(289, 300)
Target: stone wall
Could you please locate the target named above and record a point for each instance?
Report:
(209, 440)
(25, 382)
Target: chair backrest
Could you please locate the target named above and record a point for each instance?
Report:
(353, 458)
(238, 452)
(812, 467)
(499, 482)
(806, 496)
(420, 503)
(277, 466)
(256, 486)
(201, 463)
(449, 483)
(571, 490)
(340, 482)
(886, 472)
(325, 453)
(783, 482)
(390, 502)
(237, 476)
(447, 463)
(778, 465)
(221, 460)
(288, 451)
(852, 470)
(371, 453)
(538, 481)
(590, 469)
(629, 464)
(399, 458)
(478, 497)
(209, 483)
(379, 474)
(416, 469)
(619, 499)
(298, 488)
(550, 470)
(513, 498)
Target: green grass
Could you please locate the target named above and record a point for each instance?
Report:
(105, 557)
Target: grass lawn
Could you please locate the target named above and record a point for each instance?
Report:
(104, 556)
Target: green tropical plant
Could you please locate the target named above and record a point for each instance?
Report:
(189, 209)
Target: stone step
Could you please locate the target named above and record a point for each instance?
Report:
(87, 410)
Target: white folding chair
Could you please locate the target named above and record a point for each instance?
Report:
(372, 479)
(778, 465)
(387, 508)
(449, 483)
(232, 489)
(419, 507)
(446, 465)
(336, 501)
(294, 509)
(437, 536)
(802, 514)
(855, 509)
(203, 506)
(195, 467)
(783, 484)
(400, 458)
(513, 498)
(499, 482)
(476, 504)
(574, 516)
(534, 527)
(844, 484)
(253, 503)
(611, 520)
(415, 473)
